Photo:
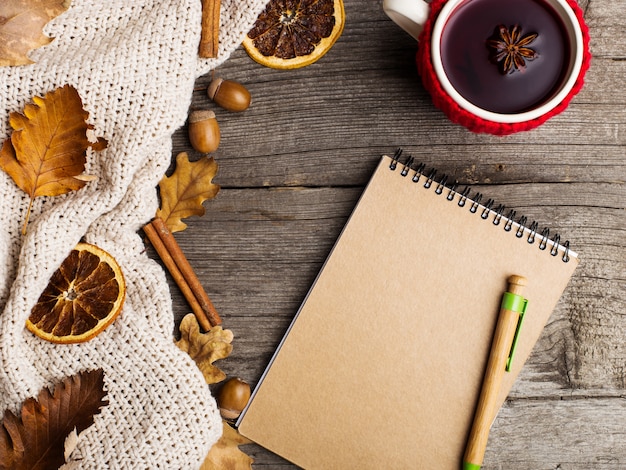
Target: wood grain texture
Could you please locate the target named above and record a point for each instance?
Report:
(294, 164)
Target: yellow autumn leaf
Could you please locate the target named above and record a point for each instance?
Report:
(21, 27)
(47, 151)
(205, 348)
(225, 453)
(183, 193)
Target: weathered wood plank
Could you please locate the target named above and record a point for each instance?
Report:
(345, 121)
(607, 25)
(469, 164)
(589, 434)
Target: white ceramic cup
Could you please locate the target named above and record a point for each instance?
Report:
(411, 15)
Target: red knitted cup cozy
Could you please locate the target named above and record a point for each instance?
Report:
(461, 116)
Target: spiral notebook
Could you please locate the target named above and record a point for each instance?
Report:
(382, 364)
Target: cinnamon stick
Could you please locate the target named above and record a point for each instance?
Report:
(172, 267)
(186, 270)
(209, 38)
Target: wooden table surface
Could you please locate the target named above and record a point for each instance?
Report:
(292, 166)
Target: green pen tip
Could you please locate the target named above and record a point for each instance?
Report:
(470, 466)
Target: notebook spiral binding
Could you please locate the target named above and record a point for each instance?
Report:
(485, 209)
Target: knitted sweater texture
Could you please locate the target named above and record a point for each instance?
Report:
(134, 63)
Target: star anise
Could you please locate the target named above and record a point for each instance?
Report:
(509, 49)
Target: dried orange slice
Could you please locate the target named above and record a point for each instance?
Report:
(83, 297)
(290, 34)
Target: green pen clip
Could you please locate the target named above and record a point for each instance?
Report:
(514, 303)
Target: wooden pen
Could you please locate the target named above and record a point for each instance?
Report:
(511, 310)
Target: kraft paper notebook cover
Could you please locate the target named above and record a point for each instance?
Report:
(383, 363)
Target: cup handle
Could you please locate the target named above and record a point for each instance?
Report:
(410, 15)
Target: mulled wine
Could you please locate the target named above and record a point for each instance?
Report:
(505, 56)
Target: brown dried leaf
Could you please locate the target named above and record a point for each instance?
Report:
(21, 27)
(183, 193)
(205, 348)
(225, 453)
(36, 439)
(47, 151)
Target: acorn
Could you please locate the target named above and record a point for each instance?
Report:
(204, 132)
(229, 95)
(233, 398)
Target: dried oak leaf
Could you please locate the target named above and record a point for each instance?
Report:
(205, 348)
(21, 27)
(183, 193)
(36, 438)
(47, 151)
(225, 453)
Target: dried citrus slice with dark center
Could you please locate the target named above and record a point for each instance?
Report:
(293, 33)
(83, 297)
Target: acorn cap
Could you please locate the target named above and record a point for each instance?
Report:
(201, 115)
(214, 86)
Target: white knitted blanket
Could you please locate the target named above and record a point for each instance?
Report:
(134, 63)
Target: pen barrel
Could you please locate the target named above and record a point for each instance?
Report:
(486, 408)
